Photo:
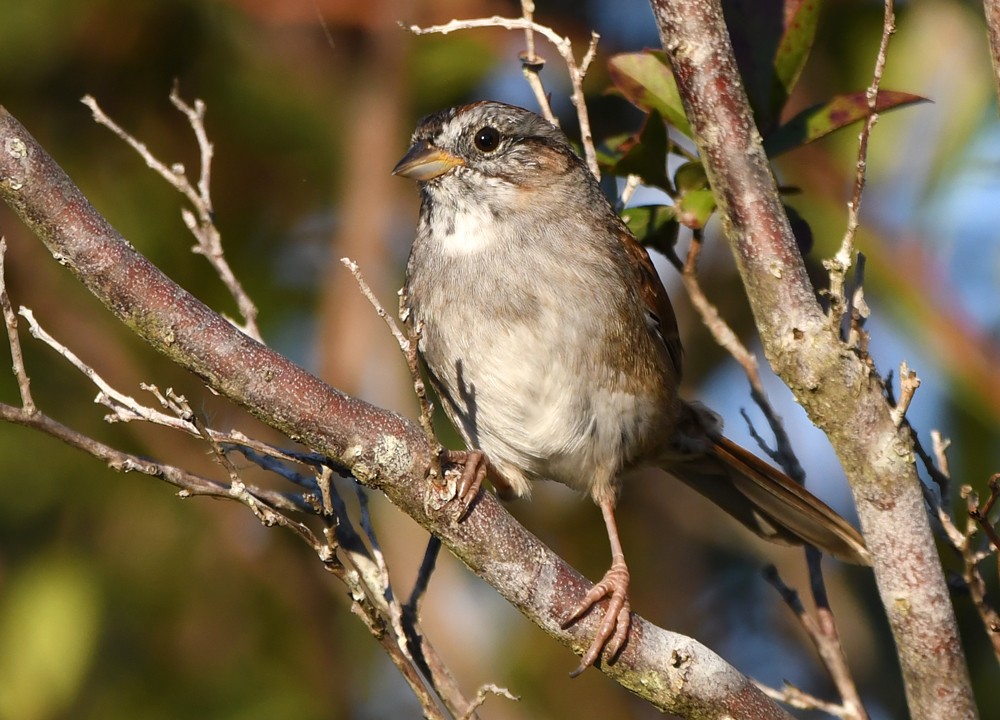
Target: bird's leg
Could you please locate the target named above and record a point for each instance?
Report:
(474, 467)
(614, 585)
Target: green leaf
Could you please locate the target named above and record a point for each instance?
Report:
(801, 18)
(771, 41)
(695, 208)
(691, 176)
(823, 119)
(645, 154)
(646, 80)
(654, 226)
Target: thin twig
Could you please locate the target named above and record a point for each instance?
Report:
(484, 692)
(125, 407)
(632, 183)
(531, 65)
(404, 344)
(721, 332)
(972, 557)
(797, 698)
(980, 514)
(822, 630)
(841, 262)
(908, 384)
(577, 71)
(964, 542)
(201, 224)
(992, 13)
(408, 345)
(10, 320)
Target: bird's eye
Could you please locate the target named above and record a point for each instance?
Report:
(487, 139)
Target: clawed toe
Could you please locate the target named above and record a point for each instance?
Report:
(617, 620)
(474, 467)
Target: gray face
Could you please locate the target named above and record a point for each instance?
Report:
(496, 140)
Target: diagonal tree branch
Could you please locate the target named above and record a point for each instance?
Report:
(834, 384)
(384, 451)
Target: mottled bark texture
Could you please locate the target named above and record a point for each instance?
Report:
(832, 382)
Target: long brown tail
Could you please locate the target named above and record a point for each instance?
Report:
(768, 502)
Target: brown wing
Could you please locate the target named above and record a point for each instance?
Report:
(760, 496)
(654, 296)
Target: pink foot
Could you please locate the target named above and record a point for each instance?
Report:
(617, 618)
(474, 469)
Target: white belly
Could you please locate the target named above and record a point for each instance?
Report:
(540, 413)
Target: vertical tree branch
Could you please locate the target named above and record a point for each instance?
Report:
(992, 11)
(834, 385)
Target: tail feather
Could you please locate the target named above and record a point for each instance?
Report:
(768, 502)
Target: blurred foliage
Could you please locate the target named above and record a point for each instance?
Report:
(117, 600)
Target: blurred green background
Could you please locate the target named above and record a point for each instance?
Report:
(118, 600)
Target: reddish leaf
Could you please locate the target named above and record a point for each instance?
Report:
(823, 119)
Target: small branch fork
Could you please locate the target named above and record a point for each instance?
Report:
(532, 64)
(201, 222)
(822, 630)
(971, 550)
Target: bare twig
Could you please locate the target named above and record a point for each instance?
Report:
(189, 484)
(200, 223)
(980, 513)
(632, 183)
(531, 65)
(857, 311)
(972, 556)
(941, 445)
(822, 630)
(484, 692)
(841, 262)
(10, 320)
(404, 620)
(404, 343)
(577, 70)
(721, 332)
(409, 347)
(800, 699)
(124, 407)
(908, 384)
(964, 542)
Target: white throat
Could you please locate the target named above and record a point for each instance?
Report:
(472, 230)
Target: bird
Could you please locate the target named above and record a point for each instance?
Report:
(546, 332)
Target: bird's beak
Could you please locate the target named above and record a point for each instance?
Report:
(425, 162)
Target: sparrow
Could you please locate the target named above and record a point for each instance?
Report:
(550, 339)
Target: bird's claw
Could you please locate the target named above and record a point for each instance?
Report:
(474, 466)
(612, 633)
